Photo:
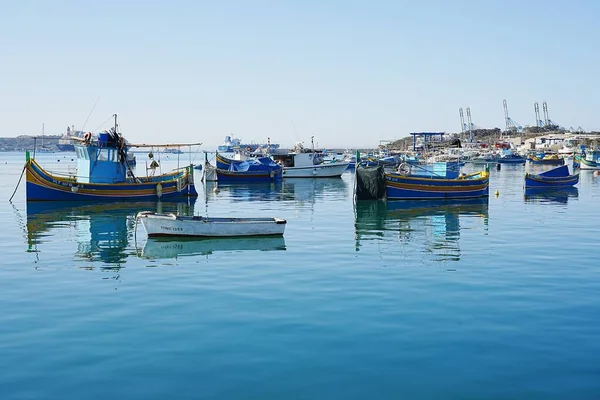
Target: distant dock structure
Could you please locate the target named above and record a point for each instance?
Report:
(427, 137)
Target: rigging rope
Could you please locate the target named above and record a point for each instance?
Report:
(100, 126)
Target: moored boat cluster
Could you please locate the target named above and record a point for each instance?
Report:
(104, 172)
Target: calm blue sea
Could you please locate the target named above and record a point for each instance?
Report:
(492, 300)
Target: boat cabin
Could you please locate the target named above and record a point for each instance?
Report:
(299, 159)
(437, 170)
(102, 159)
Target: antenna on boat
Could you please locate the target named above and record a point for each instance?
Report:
(90, 114)
(295, 131)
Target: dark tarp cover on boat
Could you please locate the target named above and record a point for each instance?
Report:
(370, 183)
(255, 165)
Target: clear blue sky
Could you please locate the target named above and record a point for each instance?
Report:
(350, 73)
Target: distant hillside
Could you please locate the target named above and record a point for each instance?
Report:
(25, 142)
(489, 136)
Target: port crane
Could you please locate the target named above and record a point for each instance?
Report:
(511, 125)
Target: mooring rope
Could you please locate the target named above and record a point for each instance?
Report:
(18, 183)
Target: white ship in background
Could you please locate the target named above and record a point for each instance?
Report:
(231, 144)
(65, 143)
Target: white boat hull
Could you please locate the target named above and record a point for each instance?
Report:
(172, 225)
(329, 170)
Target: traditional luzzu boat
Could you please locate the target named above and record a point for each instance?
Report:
(224, 162)
(104, 173)
(588, 159)
(260, 169)
(157, 224)
(441, 181)
(546, 159)
(435, 181)
(509, 157)
(554, 178)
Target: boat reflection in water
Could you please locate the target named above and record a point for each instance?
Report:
(157, 248)
(102, 231)
(294, 189)
(435, 223)
(550, 195)
(311, 189)
(259, 191)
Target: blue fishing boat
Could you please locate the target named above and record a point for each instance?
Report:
(104, 173)
(262, 169)
(508, 157)
(224, 162)
(556, 177)
(438, 181)
(545, 159)
(588, 159)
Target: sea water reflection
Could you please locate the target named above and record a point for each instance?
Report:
(106, 233)
(551, 195)
(289, 189)
(432, 227)
(158, 248)
(100, 232)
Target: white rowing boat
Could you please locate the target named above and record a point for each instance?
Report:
(172, 225)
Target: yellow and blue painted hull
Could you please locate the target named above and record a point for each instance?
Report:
(537, 181)
(45, 186)
(406, 187)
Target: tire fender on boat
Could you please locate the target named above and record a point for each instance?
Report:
(159, 190)
(404, 169)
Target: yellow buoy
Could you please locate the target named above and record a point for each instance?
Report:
(497, 193)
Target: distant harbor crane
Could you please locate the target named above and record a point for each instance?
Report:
(547, 120)
(471, 125)
(511, 125)
(538, 122)
(463, 126)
